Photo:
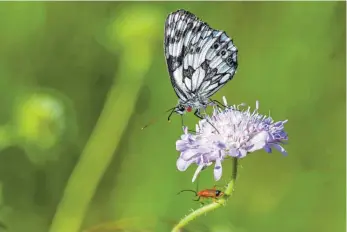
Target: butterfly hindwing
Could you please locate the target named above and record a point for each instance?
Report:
(200, 59)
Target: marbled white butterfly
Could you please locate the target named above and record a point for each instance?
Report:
(200, 60)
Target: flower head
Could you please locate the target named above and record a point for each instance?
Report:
(231, 132)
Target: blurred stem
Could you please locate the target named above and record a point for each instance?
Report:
(215, 205)
(6, 137)
(99, 150)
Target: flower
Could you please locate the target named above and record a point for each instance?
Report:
(229, 132)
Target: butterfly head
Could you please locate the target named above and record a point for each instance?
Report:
(180, 109)
(183, 108)
(191, 105)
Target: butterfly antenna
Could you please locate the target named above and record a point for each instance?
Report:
(156, 119)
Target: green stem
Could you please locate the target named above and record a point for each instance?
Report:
(207, 208)
(97, 153)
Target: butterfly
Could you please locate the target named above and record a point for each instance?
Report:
(200, 60)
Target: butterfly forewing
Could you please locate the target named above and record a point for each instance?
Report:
(200, 59)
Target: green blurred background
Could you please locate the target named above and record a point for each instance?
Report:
(79, 80)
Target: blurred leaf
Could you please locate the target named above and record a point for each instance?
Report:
(99, 147)
(41, 119)
(125, 224)
(292, 58)
(227, 228)
(19, 20)
(4, 211)
(132, 28)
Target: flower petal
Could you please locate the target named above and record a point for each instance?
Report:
(181, 145)
(182, 165)
(225, 101)
(220, 145)
(184, 137)
(233, 153)
(258, 141)
(198, 170)
(268, 149)
(217, 170)
(231, 131)
(280, 149)
(189, 154)
(241, 153)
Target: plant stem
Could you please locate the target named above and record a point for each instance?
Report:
(212, 206)
(95, 159)
(99, 150)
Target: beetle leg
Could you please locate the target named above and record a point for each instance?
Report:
(202, 203)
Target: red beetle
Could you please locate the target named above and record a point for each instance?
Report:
(213, 193)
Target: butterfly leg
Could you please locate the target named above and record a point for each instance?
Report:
(222, 105)
(173, 110)
(218, 103)
(197, 114)
(182, 120)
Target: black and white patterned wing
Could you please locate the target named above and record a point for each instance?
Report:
(200, 59)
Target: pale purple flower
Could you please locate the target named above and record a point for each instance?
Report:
(230, 132)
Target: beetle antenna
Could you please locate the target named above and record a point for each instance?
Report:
(188, 190)
(197, 185)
